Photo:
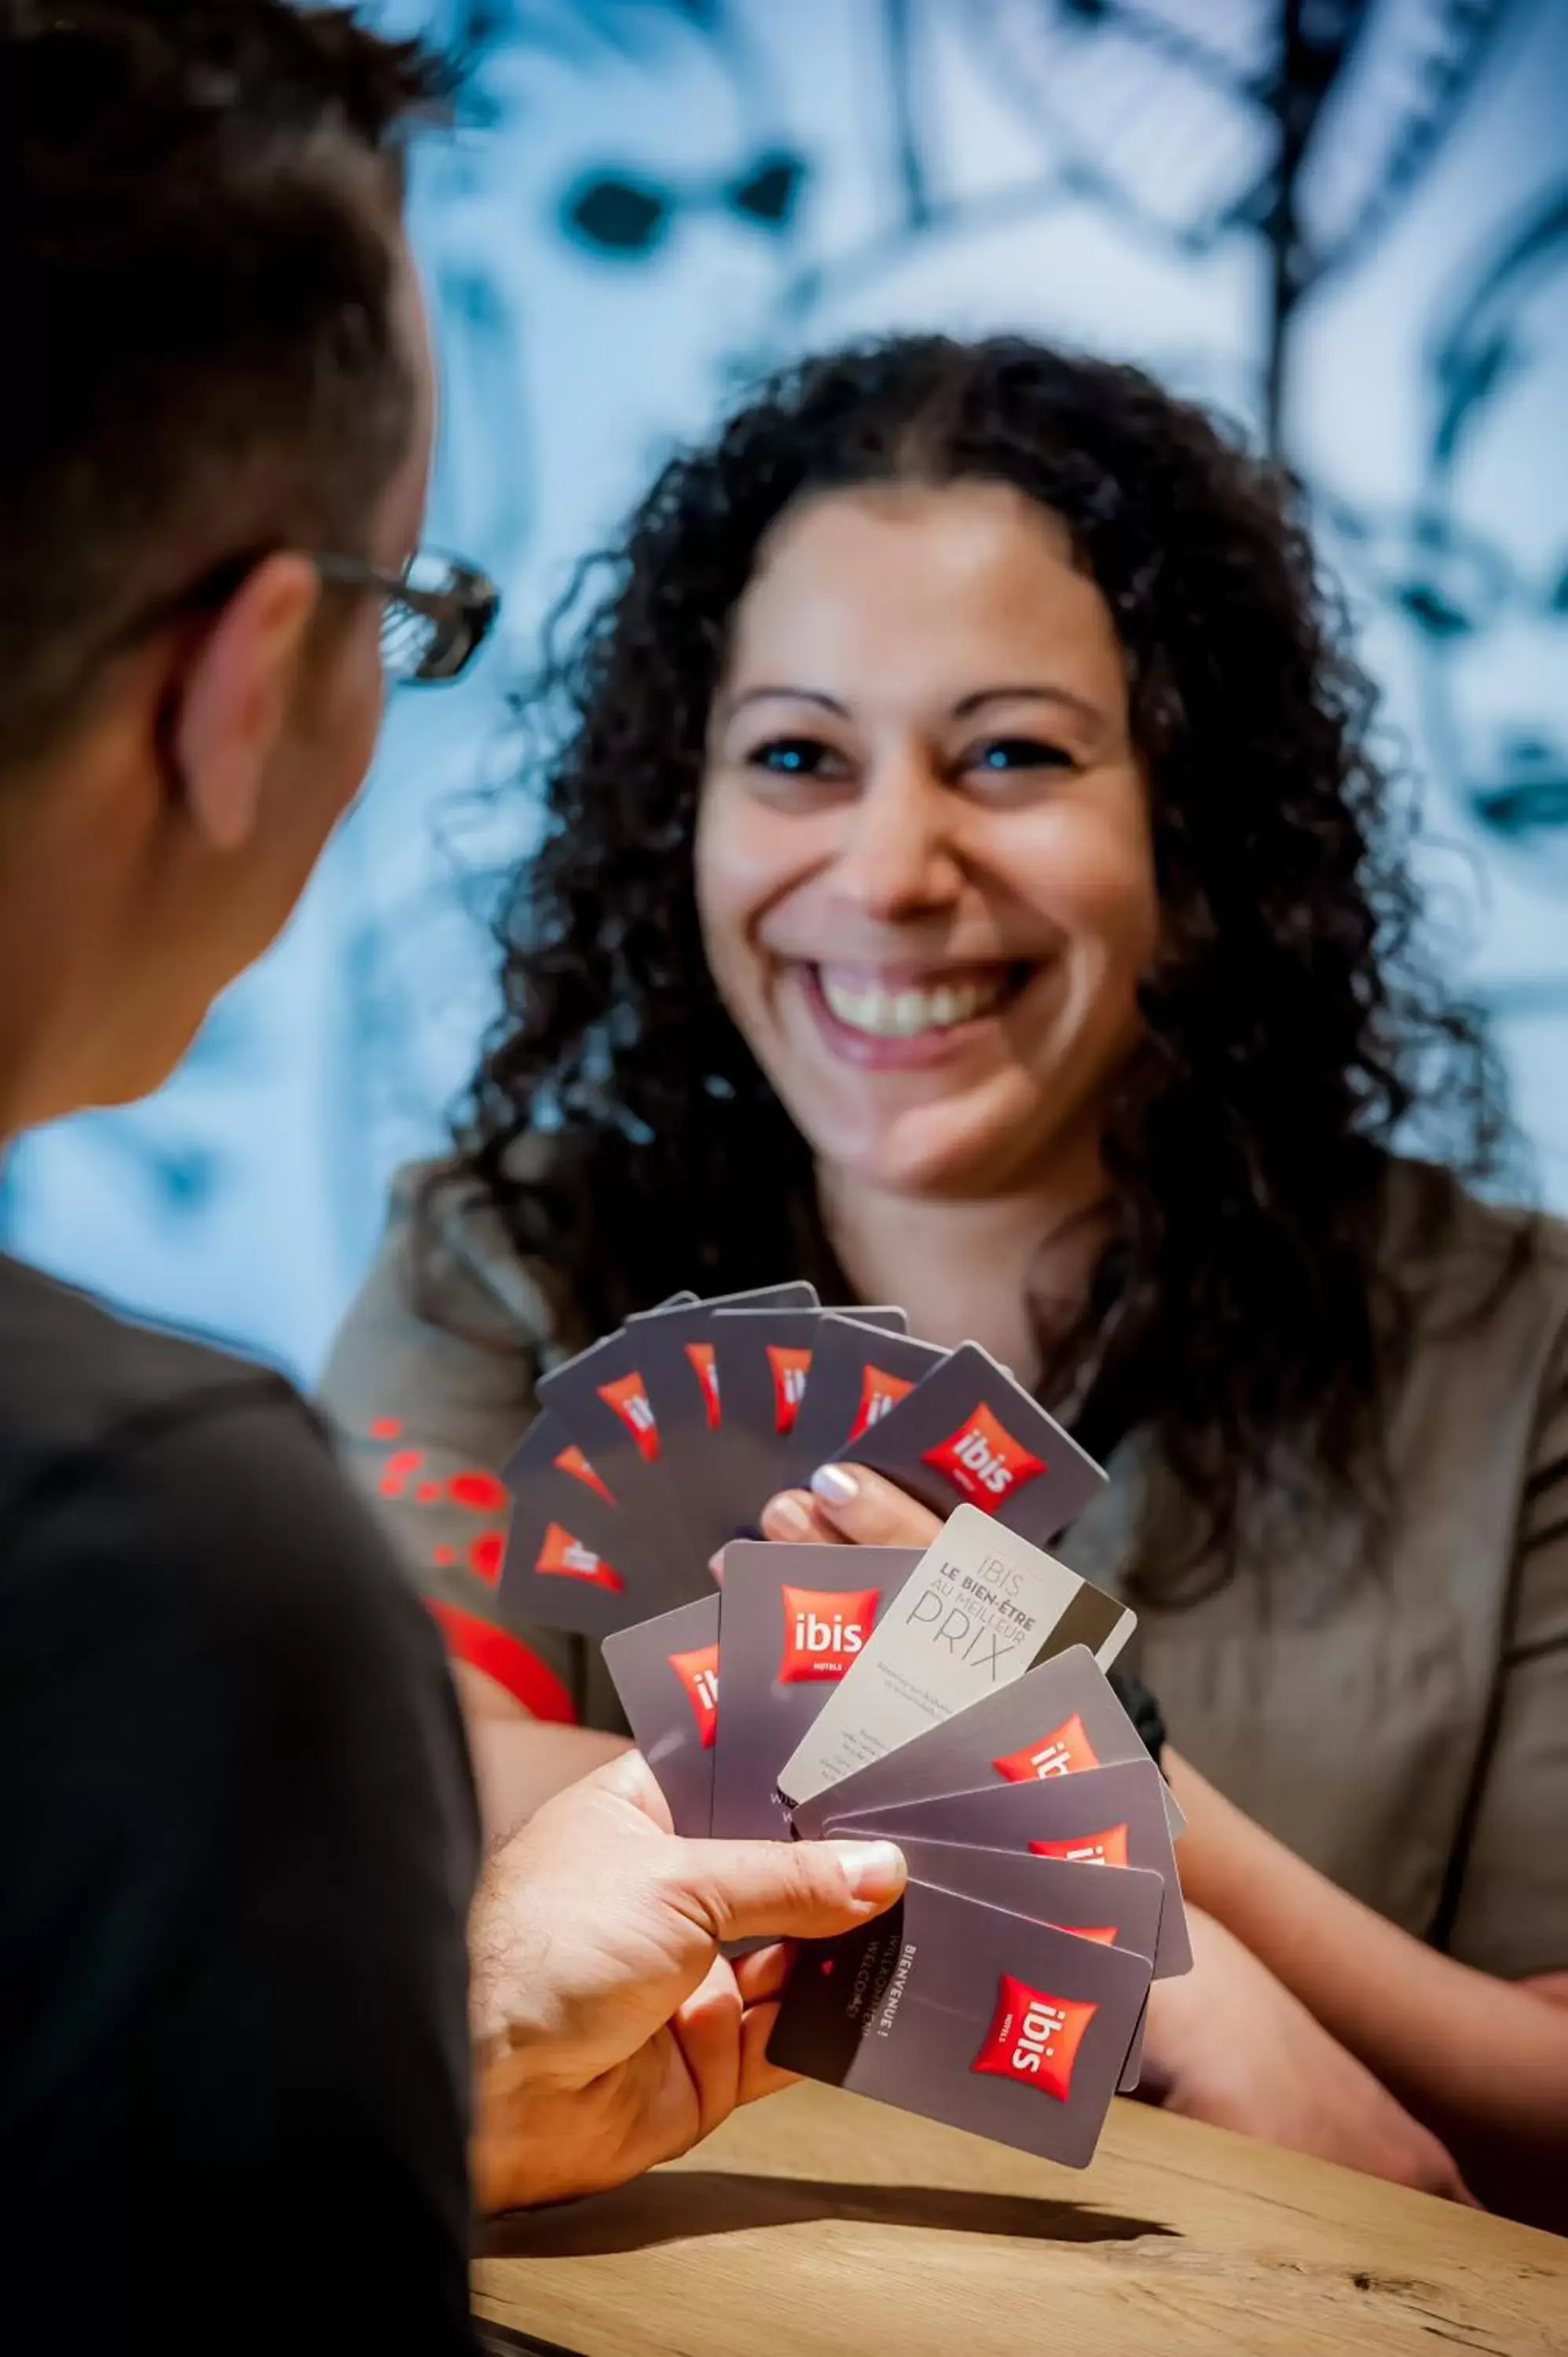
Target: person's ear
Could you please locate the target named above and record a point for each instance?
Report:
(236, 694)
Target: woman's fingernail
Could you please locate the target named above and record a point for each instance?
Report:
(836, 1484)
(874, 1870)
(785, 1518)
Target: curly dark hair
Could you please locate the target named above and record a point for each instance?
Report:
(1292, 1027)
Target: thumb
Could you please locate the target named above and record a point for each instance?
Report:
(869, 1510)
(789, 1890)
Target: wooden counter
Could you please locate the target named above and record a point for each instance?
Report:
(823, 2225)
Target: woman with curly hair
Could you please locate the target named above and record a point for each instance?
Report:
(966, 883)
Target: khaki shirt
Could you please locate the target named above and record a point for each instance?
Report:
(1402, 1725)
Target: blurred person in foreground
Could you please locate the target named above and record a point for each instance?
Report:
(966, 883)
(237, 1828)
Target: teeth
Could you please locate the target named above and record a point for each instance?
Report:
(903, 1014)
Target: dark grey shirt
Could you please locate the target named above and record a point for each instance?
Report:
(237, 1842)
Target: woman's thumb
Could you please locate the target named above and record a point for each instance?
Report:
(864, 1507)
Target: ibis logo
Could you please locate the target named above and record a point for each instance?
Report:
(983, 1462)
(879, 1391)
(790, 1368)
(572, 1461)
(1066, 1750)
(705, 1367)
(565, 1558)
(630, 1401)
(1035, 2036)
(825, 1632)
(699, 1674)
(1108, 1848)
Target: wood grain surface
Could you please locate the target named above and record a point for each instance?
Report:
(823, 2224)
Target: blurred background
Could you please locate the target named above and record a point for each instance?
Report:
(1344, 224)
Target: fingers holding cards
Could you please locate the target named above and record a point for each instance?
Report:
(1005, 1991)
(900, 1663)
(848, 1505)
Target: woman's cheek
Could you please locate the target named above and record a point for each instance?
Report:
(740, 870)
(1096, 880)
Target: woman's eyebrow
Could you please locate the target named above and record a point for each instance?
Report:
(1036, 691)
(792, 694)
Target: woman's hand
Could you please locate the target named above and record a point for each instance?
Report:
(1227, 2043)
(845, 1503)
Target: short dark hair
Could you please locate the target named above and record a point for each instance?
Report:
(197, 199)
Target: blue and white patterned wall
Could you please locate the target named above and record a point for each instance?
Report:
(644, 200)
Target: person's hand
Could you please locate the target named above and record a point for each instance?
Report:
(849, 1503)
(609, 2034)
(1227, 2043)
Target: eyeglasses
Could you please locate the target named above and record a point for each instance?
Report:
(439, 612)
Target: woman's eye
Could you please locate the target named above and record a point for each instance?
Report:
(1001, 755)
(793, 757)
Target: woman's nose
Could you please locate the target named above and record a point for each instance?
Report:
(896, 855)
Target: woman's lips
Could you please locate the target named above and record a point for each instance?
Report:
(886, 1020)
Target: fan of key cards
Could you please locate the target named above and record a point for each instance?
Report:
(954, 1701)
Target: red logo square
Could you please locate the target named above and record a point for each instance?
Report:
(570, 1559)
(699, 1674)
(1035, 2038)
(983, 1462)
(1108, 1848)
(1062, 1752)
(824, 1631)
(631, 1402)
(879, 1391)
(790, 1368)
(705, 1367)
(572, 1461)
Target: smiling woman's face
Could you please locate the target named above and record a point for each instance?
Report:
(923, 861)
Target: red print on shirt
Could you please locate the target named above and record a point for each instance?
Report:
(482, 1493)
(486, 1555)
(398, 1470)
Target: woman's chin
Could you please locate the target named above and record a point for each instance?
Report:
(925, 1160)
